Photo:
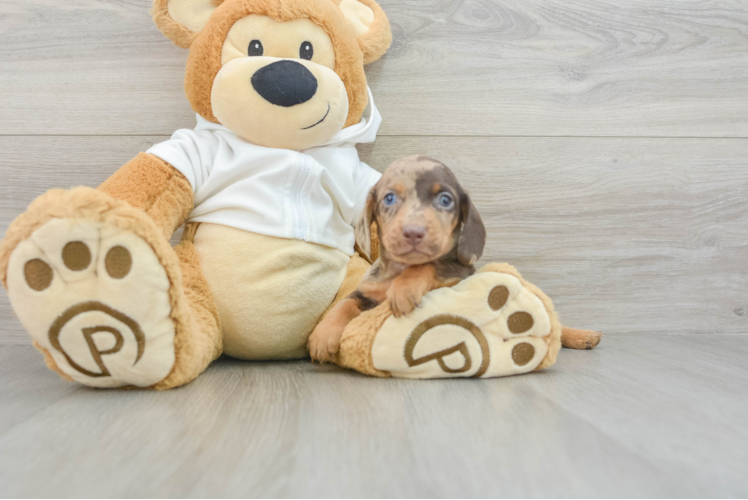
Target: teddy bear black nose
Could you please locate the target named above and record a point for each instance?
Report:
(285, 83)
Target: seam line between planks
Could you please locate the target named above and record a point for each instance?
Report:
(499, 136)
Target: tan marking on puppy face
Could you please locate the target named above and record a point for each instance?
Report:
(416, 220)
(277, 86)
(399, 188)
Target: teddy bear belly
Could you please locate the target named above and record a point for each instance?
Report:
(270, 292)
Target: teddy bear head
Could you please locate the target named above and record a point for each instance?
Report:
(278, 73)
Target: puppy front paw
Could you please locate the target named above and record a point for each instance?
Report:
(407, 290)
(324, 342)
(403, 299)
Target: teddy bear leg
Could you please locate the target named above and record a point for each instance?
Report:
(100, 290)
(202, 341)
(491, 324)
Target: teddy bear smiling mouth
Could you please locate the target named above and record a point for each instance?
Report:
(323, 119)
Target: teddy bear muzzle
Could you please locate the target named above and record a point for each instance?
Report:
(279, 102)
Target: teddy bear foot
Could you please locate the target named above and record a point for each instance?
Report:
(491, 324)
(95, 298)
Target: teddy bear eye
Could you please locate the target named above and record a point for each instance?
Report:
(255, 48)
(306, 51)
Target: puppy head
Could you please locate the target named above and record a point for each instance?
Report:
(278, 73)
(422, 214)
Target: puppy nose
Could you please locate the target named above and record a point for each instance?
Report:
(414, 234)
(285, 83)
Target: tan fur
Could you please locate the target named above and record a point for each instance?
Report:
(152, 185)
(345, 311)
(574, 338)
(50, 362)
(357, 267)
(192, 350)
(203, 343)
(407, 289)
(204, 60)
(365, 228)
(376, 290)
(375, 42)
(181, 36)
(439, 227)
(378, 39)
(324, 342)
(358, 339)
(368, 248)
(374, 243)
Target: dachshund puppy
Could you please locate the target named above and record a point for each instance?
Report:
(430, 236)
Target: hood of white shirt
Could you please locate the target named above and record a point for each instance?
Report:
(364, 131)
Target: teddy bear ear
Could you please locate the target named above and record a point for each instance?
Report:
(181, 20)
(370, 25)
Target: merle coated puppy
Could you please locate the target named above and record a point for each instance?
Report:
(430, 236)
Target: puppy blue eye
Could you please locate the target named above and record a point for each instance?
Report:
(445, 200)
(390, 198)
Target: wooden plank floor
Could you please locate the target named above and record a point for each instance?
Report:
(645, 415)
(605, 144)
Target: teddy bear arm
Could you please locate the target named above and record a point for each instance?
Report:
(152, 185)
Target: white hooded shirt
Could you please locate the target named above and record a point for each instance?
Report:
(316, 195)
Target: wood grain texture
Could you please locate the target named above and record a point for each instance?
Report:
(642, 416)
(625, 235)
(456, 67)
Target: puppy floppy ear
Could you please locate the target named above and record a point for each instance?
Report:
(362, 231)
(370, 25)
(181, 20)
(473, 234)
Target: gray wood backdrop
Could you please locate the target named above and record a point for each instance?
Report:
(605, 143)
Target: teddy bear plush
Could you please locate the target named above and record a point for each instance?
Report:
(269, 184)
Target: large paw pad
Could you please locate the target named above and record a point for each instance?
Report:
(489, 325)
(97, 298)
